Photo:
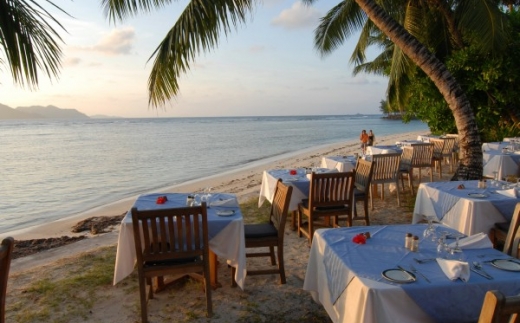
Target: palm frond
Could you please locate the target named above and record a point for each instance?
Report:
(121, 9)
(29, 41)
(337, 25)
(197, 30)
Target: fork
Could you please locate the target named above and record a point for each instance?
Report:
(415, 271)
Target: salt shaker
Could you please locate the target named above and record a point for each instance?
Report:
(189, 201)
(408, 241)
(415, 244)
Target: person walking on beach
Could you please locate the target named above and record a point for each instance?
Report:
(371, 138)
(364, 140)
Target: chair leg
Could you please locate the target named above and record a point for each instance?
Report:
(281, 265)
(398, 199)
(207, 286)
(365, 206)
(311, 230)
(142, 296)
(371, 193)
(299, 222)
(271, 252)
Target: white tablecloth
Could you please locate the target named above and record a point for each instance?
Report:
(456, 209)
(426, 138)
(340, 163)
(299, 182)
(491, 146)
(226, 235)
(517, 139)
(408, 142)
(346, 279)
(504, 164)
(376, 150)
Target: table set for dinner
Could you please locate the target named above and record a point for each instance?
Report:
(340, 163)
(383, 149)
(464, 206)
(502, 158)
(379, 280)
(225, 230)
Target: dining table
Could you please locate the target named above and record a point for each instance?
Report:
(465, 207)
(383, 149)
(504, 163)
(340, 163)
(381, 281)
(401, 143)
(495, 145)
(225, 230)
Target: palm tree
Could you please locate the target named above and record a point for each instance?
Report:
(28, 41)
(198, 29)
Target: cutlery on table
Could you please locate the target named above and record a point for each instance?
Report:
(477, 268)
(421, 261)
(415, 271)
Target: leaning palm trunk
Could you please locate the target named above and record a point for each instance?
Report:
(470, 146)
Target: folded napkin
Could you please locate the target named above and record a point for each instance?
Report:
(476, 241)
(509, 193)
(322, 171)
(231, 202)
(454, 269)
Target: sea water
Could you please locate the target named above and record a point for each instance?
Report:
(50, 169)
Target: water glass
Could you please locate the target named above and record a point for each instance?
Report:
(429, 232)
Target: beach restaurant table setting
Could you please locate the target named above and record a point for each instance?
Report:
(503, 162)
(376, 279)
(387, 149)
(340, 163)
(464, 206)
(225, 229)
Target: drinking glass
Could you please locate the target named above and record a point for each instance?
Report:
(457, 249)
(429, 232)
(443, 249)
(196, 200)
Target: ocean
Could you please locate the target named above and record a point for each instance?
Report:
(51, 169)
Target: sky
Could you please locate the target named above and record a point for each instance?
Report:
(267, 67)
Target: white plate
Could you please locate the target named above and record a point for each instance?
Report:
(506, 264)
(477, 195)
(291, 179)
(225, 212)
(398, 276)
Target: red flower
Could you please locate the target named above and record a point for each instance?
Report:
(293, 172)
(359, 239)
(161, 199)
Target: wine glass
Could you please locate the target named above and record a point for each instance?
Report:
(457, 248)
(429, 232)
(443, 249)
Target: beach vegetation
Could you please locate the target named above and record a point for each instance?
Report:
(30, 40)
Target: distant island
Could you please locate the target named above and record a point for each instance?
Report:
(41, 112)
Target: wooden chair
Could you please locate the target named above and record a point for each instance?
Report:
(362, 181)
(330, 196)
(438, 149)
(456, 150)
(497, 308)
(6, 252)
(415, 156)
(270, 234)
(386, 170)
(171, 242)
(447, 151)
(506, 232)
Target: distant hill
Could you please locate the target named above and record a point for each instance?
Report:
(39, 112)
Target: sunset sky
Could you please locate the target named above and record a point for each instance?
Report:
(267, 67)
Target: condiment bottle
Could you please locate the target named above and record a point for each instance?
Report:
(189, 200)
(415, 244)
(408, 241)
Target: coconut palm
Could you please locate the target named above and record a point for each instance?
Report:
(28, 40)
(199, 26)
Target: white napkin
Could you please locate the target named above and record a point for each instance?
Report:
(231, 202)
(322, 171)
(476, 241)
(454, 269)
(509, 193)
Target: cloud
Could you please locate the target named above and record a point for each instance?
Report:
(71, 61)
(117, 42)
(298, 16)
(256, 49)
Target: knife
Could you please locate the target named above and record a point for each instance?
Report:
(481, 273)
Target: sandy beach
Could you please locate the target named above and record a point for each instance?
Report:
(263, 300)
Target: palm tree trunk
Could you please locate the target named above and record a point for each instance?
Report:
(470, 145)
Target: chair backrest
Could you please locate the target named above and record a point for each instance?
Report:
(280, 206)
(509, 244)
(497, 308)
(457, 140)
(449, 145)
(438, 147)
(174, 233)
(363, 174)
(331, 189)
(6, 252)
(386, 168)
(422, 155)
